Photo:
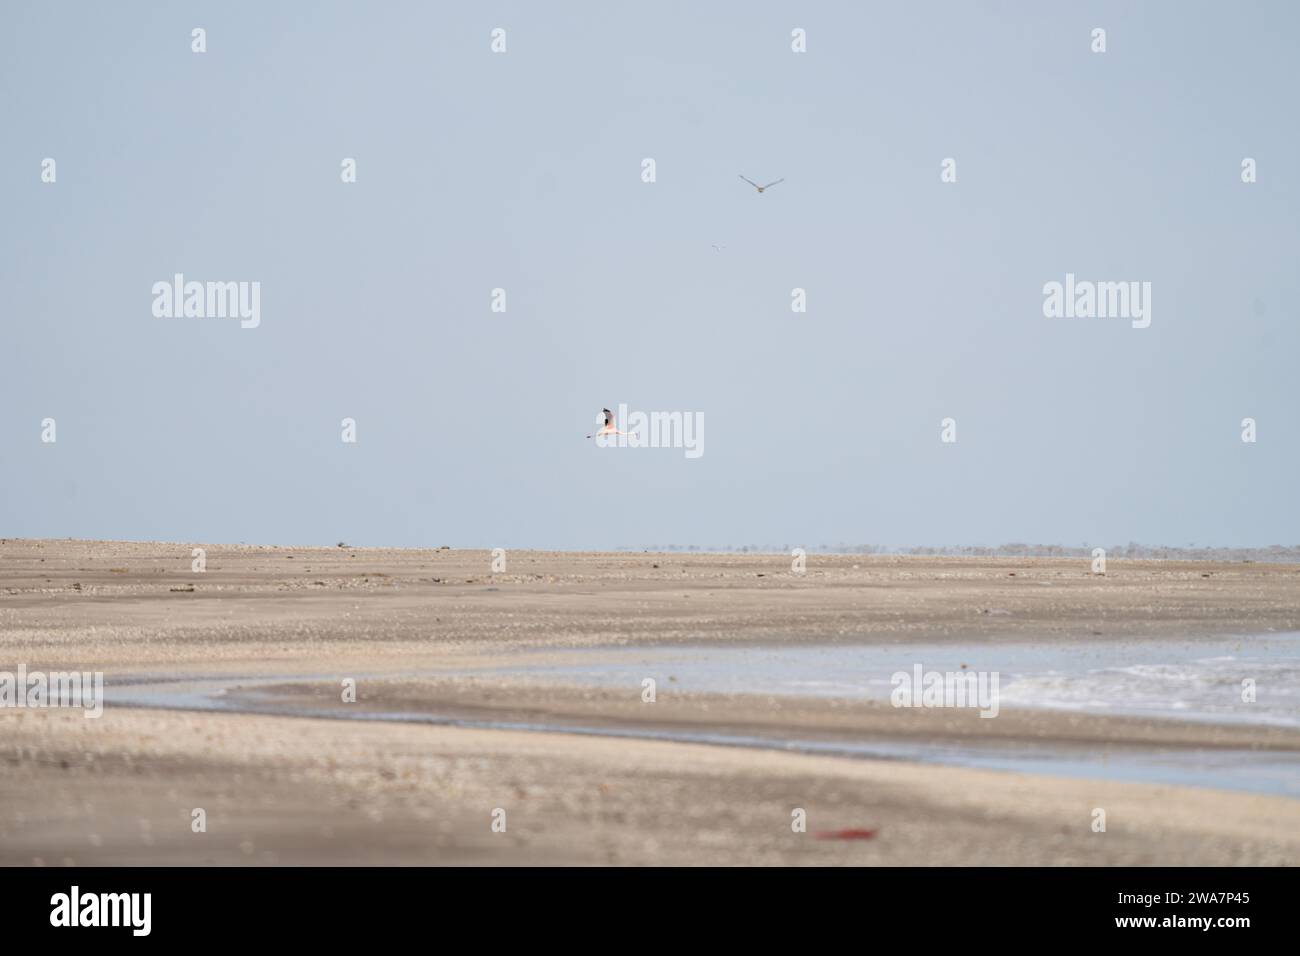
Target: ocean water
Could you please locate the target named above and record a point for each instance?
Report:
(1189, 680)
(1186, 680)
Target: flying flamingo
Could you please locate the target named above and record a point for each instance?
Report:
(761, 188)
(609, 427)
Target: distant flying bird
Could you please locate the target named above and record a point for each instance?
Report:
(761, 188)
(609, 427)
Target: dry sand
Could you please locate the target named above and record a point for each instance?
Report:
(291, 789)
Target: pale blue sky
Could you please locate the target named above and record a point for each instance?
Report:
(522, 171)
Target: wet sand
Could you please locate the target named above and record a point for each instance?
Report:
(282, 788)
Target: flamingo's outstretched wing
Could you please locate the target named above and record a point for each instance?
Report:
(774, 182)
(751, 182)
(609, 418)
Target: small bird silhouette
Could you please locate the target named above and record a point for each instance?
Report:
(768, 186)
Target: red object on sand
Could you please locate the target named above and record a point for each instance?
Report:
(845, 834)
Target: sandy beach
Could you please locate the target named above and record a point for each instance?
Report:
(224, 695)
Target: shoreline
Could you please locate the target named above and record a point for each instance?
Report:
(414, 627)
